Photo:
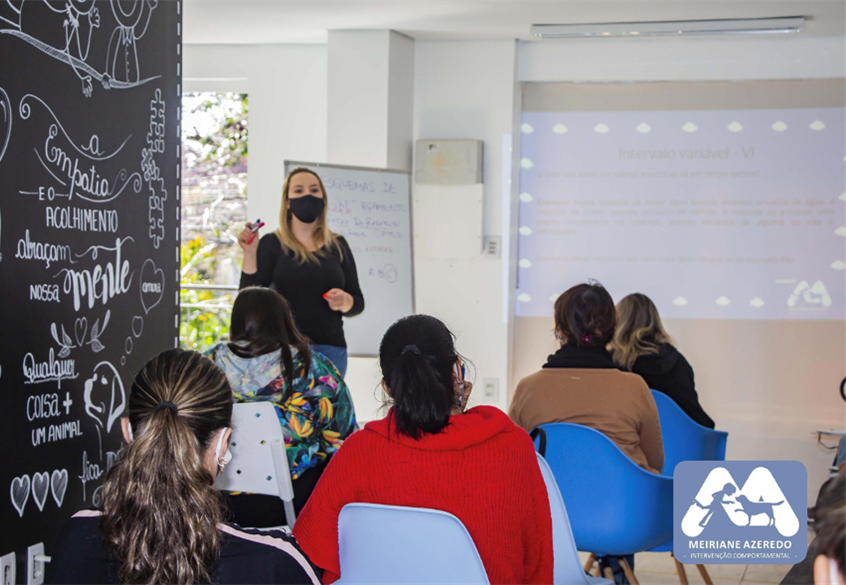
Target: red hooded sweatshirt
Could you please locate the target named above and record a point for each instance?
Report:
(481, 468)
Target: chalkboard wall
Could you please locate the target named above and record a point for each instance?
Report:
(90, 163)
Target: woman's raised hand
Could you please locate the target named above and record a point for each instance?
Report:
(248, 240)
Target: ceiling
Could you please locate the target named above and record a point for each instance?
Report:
(286, 21)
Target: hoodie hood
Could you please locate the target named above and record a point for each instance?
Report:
(658, 364)
(249, 375)
(476, 425)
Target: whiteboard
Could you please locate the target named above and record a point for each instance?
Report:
(371, 208)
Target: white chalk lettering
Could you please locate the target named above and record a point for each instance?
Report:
(102, 283)
(52, 370)
(90, 472)
(84, 220)
(47, 253)
(88, 181)
(56, 432)
(44, 406)
(44, 292)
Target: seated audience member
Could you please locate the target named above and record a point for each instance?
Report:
(429, 452)
(268, 359)
(581, 384)
(830, 542)
(825, 563)
(642, 346)
(161, 520)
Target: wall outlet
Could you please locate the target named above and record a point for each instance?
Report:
(491, 386)
(7, 569)
(491, 246)
(35, 564)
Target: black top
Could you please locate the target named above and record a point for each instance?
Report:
(584, 357)
(668, 372)
(303, 286)
(247, 556)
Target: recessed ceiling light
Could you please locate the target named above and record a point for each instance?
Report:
(734, 26)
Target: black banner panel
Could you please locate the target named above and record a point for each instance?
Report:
(90, 163)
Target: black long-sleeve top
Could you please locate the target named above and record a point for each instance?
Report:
(80, 555)
(669, 372)
(303, 286)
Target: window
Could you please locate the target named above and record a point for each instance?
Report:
(214, 211)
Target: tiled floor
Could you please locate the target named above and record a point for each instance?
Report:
(660, 569)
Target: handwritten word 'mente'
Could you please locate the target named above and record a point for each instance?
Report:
(102, 283)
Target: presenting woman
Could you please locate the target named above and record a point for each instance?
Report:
(311, 266)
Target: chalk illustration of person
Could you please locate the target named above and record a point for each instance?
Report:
(717, 499)
(122, 58)
(77, 42)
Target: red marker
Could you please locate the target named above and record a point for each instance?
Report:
(254, 227)
(325, 295)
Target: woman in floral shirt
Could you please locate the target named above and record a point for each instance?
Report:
(313, 402)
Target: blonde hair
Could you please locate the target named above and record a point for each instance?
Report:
(323, 236)
(639, 330)
(160, 508)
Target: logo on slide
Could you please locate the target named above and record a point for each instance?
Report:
(806, 296)
(739, 512)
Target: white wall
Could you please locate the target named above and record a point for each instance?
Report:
(287, 99)
(465, 89)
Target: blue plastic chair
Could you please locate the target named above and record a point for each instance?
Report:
(615, 507)
(567, 568)
(394, 544)
(684, 438)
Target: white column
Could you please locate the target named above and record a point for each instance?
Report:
(370, 98)
(370, 123)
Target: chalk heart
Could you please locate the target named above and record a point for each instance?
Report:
(20, 493)
(40, 487)
(152, 285)
(59, 485)
(80, 330)
(137, 325)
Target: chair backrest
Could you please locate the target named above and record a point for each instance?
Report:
(567, 568)
(259, 464)
(614, 506)
(684, 438)
(394, 544)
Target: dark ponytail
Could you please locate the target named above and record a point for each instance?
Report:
(160, 508)
(418, 356)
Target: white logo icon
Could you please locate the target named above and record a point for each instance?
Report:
(760, 502)
(811, 295)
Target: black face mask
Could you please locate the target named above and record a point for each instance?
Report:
(307, 208)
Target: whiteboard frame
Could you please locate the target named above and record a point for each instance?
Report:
(289, 165)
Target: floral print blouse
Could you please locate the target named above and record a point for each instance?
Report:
(315, 410)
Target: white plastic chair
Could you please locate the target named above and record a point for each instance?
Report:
(259, 464)
(567, 568)
(395, 544)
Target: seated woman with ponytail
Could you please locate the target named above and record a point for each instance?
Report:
(161, 520)
(269, 360)
(433, 452)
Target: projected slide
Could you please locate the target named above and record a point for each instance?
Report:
(733, 214)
